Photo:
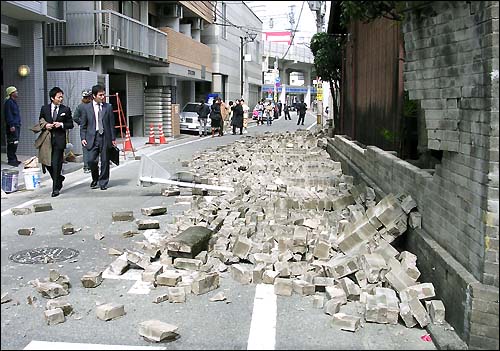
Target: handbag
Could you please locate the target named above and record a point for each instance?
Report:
(114, 155)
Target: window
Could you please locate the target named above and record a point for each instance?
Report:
(224, 20)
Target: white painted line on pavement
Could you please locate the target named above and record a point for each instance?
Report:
(27, 203)
(50, 345)
(263, 326)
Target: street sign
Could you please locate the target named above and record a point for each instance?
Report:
(277, 79)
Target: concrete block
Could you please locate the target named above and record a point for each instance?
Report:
(42, 207)
(406, 315)
(143, 224)
(415, 220)
(151, 273)
(407, 203)
(154, 211)
(65, 306)
(139, 259)
(302, 287)
(345, 322)
(331, 307)
(202, 256)
(170, 192)
(169, 278)
(160, 298)
(283, 287)
(351, 289)
(92, 279)
(398, 278)
(241, 247)
(269, 276)
(374, 266)
(336, 293)
(418, 311)
(341, 266)
(26, 231)
(54, 316)
(108, 311)
(51, 290)
(176, 294)
(120, 265)
(241, 273)
(68, 229)
(20, 211)
(436, 311)
(257, 273)
(318, 301)
(299, 236)
(190, 242)
(157, 331)
(322, 249)
(418, 291)
(283, 268)
(187, 263)
(205, 283)
(124, 216)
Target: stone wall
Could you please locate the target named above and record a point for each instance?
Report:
(471, 306)
(451, 68)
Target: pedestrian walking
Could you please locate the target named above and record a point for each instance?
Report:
(203, 112)
(268, 112)
(237, 120)
(286, 109)
(246, 110)
(56, 117)
(216, 117)
(86, 98)
(98, 135)
(225, 112)
(13, 125)
(260, 119)
(280, 107)
(301, 111)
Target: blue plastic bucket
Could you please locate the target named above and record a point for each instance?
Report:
(9, 180)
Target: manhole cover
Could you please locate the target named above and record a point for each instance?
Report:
(43, 255)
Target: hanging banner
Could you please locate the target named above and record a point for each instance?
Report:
(284, 37)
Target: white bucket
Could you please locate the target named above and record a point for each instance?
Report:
(32, 178)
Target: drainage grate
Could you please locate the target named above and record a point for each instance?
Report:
(43, 255)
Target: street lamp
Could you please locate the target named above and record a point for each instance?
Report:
(250, 37)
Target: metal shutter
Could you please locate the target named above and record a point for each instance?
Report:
(135, 95)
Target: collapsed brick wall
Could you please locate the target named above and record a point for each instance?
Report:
(471, 307)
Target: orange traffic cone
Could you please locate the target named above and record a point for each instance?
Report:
(128, 143)
(151, 135)
(162, 136)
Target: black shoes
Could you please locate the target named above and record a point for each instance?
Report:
(93, 184)
(14, 163)
(104, 188)
(55, 193)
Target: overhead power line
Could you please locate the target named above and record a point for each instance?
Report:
(295, 31)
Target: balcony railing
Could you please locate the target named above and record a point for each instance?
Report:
(108, 29)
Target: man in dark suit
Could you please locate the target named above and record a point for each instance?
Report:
(98, 134)
(58, 118)
(301, 111)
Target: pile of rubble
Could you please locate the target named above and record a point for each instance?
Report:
(294, 221)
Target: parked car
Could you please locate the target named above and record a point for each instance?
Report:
(189, 118)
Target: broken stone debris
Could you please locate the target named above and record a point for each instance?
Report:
(68, 229)
(5, 297)
(295, 221)
(125, 216)
(154, 211)
(54, 316)
(108, 311)
(26, 231)
(64, 305)
(42, 207)
(20, 211)
(92, 279)
(143, 224)
(157, 331)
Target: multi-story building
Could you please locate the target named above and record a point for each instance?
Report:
(22, 61)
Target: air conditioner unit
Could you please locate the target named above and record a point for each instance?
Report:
(170, 10)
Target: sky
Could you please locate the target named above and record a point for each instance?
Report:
(279, 10)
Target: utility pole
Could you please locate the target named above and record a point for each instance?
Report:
(319, 8)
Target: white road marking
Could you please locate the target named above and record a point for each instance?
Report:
(263, 326)
(27, 203)
(49, 345)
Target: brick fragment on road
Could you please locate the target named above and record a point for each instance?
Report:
(68, 229)
(269, 276)
(331, 307)
(120, 265)
(157, 331)
(176, 294)
(169, 278)
(114, 252)
(20, 211)
(241, 273)
(92, 279)
(26, 231)
(123, 216)
(406, 315)
(415, 220)
(187, 263)
(218, 297)
(189, 242)
(302, 287)
(241, 247)
(108, 311)
(318, 300)
(436, 311)
(151, 273)
(418, 311)
(66, 307)
(170, 192)
(161, 298)
(283, 287)
(42, 207)
(417, 291)
(51, 290)
(143, 224)
(5, 297)
(154, 211)
(205, 282)
(54, 316)
(345, 322)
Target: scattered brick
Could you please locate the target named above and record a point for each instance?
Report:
(42, 207)
(26, 231)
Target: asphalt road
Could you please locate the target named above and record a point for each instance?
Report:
(279, 322)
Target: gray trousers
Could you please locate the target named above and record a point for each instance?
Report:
(203, 126)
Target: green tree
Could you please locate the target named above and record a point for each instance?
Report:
(327, 51)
